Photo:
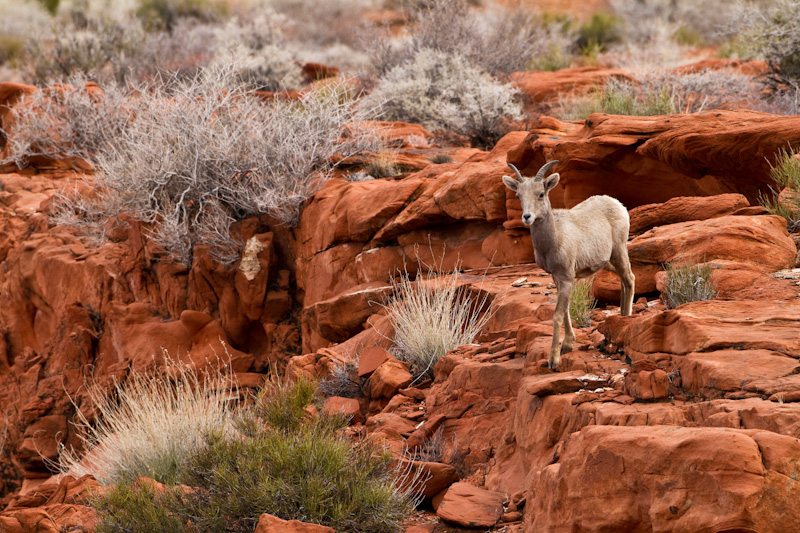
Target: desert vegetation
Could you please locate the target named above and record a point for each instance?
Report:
(688, 282)
(240, 458)
(432, 315)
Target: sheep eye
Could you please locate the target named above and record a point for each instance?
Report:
(541, 195)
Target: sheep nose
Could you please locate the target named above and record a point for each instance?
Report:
(526, 218)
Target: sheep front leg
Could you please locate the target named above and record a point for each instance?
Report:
(561, 312)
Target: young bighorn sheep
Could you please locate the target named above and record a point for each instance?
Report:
(573, 243)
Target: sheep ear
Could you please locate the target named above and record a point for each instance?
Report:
(510, 182)
(551, 181)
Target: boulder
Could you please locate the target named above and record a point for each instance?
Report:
(348, 407)
(614, 479)
(758, 240)
(466, 505)
(709, 326)
(684, 209)
(268, 523)
(391, 376)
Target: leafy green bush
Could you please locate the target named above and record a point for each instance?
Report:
(581, 303)
(688, 282)
(303, 469)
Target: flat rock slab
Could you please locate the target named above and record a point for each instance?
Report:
(711, 325)
(470, 506)
(731, 370)
(547, 384)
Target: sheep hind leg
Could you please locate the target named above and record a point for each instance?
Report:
(562, 310)
(622, 266)
(569, 333)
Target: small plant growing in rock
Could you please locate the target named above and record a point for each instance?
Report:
(786, 174)
(581, 303)
(343, 381)
(688, 282)
(433, 315)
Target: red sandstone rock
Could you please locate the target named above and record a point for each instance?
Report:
(760, 240)
(391, 376)
(708, 326)
(371, 359)
(427, 478)
(348, 407)
(541, 86)
(268, 523)
(647, 385)
(731, 370)
(469, 506)
(659, 157)
(726, 482)
(684, 209)
(49, 519)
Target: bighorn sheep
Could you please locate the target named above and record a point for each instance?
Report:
(573, 243)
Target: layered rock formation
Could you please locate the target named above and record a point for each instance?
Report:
(668, 420)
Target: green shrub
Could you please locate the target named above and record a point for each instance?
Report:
(304, 469)
(602, 29)
(433, 315)
(687, 36)
(164, 14)
(786, 170)
(688, 282)
(136, 508)
(619, 98)
(581, 303)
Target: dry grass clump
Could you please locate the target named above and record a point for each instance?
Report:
(343, 381)
(442, 90)
(581, 303)
(433, 315)
(281, 461)
(786, 174)
(201, 153)
(151, 424)
(688, 282)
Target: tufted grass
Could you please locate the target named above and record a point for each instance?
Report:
(150, 424)
(581, 303)
(688, 282)
(433, 315)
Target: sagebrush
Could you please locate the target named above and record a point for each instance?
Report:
(443, 90)
(199, 154)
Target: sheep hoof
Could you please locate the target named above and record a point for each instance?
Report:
(552, 364)
(565, 348)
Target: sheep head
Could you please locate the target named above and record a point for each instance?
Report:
(532, 192)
